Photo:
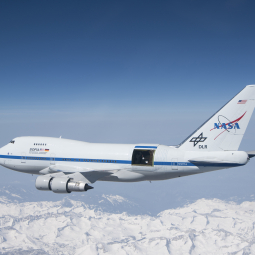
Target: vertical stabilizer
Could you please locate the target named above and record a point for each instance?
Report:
(225, 129)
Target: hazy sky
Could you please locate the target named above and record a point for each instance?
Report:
(122, 71)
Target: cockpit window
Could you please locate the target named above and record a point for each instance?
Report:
(12, 141)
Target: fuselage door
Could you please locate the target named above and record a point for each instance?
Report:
(143, 157)
(174, 163)
(52, 159)
(23, 157)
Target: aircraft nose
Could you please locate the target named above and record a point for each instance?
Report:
(1, 156)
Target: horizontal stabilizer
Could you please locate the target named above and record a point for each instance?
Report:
(251, 154)
(214, 163)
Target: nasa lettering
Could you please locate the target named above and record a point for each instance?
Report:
(226, 126)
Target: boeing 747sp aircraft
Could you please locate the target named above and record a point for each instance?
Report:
(66, 165)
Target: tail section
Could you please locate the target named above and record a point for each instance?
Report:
(225, 129)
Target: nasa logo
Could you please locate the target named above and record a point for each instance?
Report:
(226, 126)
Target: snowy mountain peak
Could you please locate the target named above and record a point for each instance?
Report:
(204, 227)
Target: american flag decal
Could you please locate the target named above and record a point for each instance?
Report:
(242, 101)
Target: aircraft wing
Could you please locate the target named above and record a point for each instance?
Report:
(77, 173)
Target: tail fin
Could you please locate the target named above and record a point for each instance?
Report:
(225, 129)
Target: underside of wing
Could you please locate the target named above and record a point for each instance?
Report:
(65, 179)
(77, 173)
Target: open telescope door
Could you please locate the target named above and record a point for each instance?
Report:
(143, 155)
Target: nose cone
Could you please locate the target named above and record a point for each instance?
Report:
(4, 151)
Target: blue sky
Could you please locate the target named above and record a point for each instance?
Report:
(67, 64)
(122, 71)
(62, 55)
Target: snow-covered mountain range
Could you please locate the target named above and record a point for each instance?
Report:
(135, 218)
(73, 227)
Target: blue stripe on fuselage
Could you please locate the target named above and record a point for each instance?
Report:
(146, 147)
(112, 161)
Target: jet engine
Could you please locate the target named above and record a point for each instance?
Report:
(60, 184)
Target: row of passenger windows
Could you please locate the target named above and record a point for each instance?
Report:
(41, 144)
(34, 158)
(91, 160)
(68, 159)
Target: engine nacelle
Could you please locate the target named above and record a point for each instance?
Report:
(43, 182)
(60, 184)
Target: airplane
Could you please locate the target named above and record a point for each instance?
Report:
(65, 165)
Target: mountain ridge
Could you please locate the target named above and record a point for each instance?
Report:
(73, 227)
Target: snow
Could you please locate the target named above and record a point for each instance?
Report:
(204, 227)
(114, 199)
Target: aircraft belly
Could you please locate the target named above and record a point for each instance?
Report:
(155, 176)
(26, 167)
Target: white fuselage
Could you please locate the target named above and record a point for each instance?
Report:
(34, 154)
